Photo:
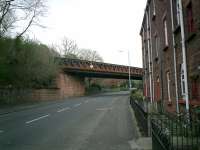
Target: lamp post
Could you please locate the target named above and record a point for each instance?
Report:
(129, 69)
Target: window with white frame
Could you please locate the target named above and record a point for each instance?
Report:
(190, 18)
(182, 81)
(168, 86)
(165, 31)
(158, 88)
(154, 8)
(157, 45)
(144, 47)
(177, 12)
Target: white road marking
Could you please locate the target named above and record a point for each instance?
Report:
(76, 105)
(37, 119)
(104, 109)
(1, 131)
(86, 101)
(63, 109)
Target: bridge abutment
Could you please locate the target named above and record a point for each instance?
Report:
(69, 85)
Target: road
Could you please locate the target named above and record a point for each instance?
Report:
(102, 122)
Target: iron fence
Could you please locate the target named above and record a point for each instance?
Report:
(141, 116)
(170, 132)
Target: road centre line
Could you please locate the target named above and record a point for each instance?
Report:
(63, 109)
(76, 105)
(37, 119)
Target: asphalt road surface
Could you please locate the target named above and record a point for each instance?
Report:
(100, 122)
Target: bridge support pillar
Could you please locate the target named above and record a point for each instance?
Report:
(70, 85)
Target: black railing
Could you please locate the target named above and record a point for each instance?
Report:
(171, 132)
(141, 116)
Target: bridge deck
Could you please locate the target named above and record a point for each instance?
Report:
(100, 70)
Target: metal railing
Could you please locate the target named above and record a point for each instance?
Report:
(141, 116)
(171, 132)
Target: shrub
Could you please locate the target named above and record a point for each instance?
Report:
(137, 95)
(26, 63)
(93, 88)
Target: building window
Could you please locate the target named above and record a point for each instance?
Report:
(177, 10)
(157, 94)
(154, 8)
(195, 90)
(168, 87)
(157, 45)
(190, 19)
(182, 81)
(165, 32)
(145, 90)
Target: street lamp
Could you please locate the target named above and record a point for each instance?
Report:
(91, 66)
(129, 68)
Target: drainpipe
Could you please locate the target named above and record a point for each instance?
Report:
(148, 35)
(151, 56)
(161, 78)
(144, 62)
(184, 57)
(174, 50)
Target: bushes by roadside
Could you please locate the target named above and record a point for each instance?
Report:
(137, 94)
(26, 63)
(93, 89)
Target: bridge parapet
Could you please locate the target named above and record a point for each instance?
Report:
(76, 65)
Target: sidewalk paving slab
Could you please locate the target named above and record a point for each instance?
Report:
(141, 143)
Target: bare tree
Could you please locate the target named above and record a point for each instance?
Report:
(88, 54)
(5, 13)
(54, 49)
(23, 12)
(69, 48)
(34, 10)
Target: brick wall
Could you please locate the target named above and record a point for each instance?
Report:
(65, 86)
(193, 48)
(45, 95)
(162, 60)
(108, 82)
(70, 85)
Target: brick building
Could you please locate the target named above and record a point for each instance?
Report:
(172, 67)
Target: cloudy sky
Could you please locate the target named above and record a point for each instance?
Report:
(107, 26)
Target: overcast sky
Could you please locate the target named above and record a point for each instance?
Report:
(107, 26)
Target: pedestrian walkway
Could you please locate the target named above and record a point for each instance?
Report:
(141, 143)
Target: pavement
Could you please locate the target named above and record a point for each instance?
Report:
(139, 143)
(100, 122)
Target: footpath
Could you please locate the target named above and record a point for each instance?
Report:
(141, 143)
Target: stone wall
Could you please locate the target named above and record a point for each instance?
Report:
(70, 85)
(45, 95)
(65, 86)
